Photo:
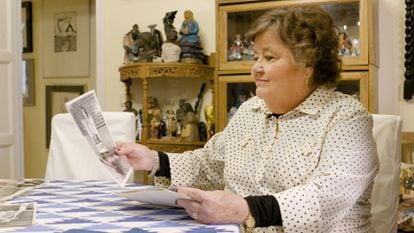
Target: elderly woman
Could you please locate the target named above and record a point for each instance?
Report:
(298, 157)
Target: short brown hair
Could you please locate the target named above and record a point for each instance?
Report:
(310, 35)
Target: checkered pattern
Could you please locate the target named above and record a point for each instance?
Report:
(94, 206)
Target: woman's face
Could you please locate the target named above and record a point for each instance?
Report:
(279, 81)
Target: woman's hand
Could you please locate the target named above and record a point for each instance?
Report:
(139, 156)
(214, 207)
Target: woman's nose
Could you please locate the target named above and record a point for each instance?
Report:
(257, 67)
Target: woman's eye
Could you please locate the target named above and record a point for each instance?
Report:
(269, 58)
(255, 58)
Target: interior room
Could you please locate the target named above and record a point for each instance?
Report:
(72, 47)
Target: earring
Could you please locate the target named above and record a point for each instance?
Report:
(308, 80)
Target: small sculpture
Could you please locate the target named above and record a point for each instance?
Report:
(345, 46)
(129, 44)
(154, 117)
(142, 46)
(170, 50)
(209, 115)
(237, 49)
(190, 44)
(169, 29)
(172, 124)
(190, 131)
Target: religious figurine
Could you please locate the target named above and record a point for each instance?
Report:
(169, 29)
(190, 130)
(183, 108)
(142, 46)
(170, 51)
(172, 123)
(237, 49)
(210, 124)
(154, 117)
(155, 128)
(190, 44)
(345, 46)
(129, 44)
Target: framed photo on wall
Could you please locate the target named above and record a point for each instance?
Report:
(66, 33)
(27, 27)
(28, 82)
(56, 97)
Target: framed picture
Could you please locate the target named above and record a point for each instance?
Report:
(234, 89)
(56, 97)
(27, 27)
(66, 34)
(28, 82)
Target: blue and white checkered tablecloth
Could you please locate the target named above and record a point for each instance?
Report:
(95, 206)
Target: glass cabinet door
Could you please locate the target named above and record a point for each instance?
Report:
(233, 91)
(236, 54)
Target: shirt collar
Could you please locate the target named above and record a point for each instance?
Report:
(312, 105)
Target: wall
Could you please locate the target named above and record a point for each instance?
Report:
(391, 22)
(35, 116)
(120, 15)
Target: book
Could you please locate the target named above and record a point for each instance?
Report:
(87, 113)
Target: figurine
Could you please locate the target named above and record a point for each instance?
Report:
(190, 44)
(170, 51)
(190, 131)
(129, 44)
(345, 46)
(142, 46)
(237, 49)
(154, 117)
(154, 128)
(209, 115)
(169, 29)
(184, 107)
(172, 124)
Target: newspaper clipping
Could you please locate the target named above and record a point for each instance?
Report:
(17, 214)
(87, 113)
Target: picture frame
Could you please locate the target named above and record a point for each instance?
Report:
(27, 27)
(28, 82)
(234, 89)
(66, 38)
(56, 97)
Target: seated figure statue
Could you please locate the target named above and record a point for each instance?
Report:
(190, 43)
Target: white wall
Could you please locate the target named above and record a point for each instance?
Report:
(120, 15)
(391, 71)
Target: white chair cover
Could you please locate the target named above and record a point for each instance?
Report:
(385, 193)
(70, 155)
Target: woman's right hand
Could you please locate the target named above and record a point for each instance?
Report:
(139, 156)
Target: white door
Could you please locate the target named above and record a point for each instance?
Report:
(11, 121)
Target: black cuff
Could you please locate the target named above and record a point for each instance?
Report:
(265, 210)
(164, 165)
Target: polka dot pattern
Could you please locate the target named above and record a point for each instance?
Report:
(318, 160)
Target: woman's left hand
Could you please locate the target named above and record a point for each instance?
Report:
(214, 207)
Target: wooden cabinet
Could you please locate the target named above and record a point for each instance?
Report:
(146, 72)
(354, 17)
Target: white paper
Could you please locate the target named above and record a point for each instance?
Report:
(17, 214)
(153, 195)
(88, 116)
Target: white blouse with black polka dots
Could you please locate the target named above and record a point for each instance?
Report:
(319, 161)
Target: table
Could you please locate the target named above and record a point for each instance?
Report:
(95, 206)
